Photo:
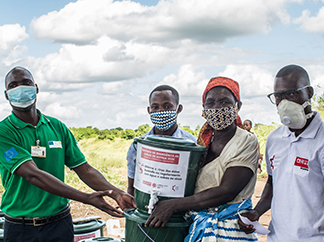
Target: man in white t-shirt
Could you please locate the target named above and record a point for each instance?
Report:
(295, 164)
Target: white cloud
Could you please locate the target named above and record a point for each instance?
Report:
(311, 24)
(186, 81)
(106, 41)
(113, 53)
(117, 54)
(106, 61)
(253, 80)
(85, 21)
(112, 87)
(76, 67)
(62, 112)
(255, 83)
(259, 110)
(10, 36)
(316, 75)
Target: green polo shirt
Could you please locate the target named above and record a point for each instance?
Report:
(21, 199)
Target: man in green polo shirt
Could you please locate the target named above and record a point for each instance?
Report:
(34, 150)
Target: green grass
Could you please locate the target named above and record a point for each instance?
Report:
(262, 131)
(108, 157)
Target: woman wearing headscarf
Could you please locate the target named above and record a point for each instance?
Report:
(227, 175)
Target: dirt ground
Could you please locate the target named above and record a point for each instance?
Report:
(265, 219)
(80, 210)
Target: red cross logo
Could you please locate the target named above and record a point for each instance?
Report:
(271, 161)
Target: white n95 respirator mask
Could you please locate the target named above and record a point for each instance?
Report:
(293, 114)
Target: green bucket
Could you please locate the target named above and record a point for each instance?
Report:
(88, 229)
(165, 163)
(174, 231)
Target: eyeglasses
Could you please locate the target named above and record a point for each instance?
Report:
(290, 95)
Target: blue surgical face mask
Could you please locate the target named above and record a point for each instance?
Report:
(22, 96)
(163, 120)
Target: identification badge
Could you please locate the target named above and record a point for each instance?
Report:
(54, 144)
(38, 151)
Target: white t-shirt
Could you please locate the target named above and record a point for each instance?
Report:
(297, 169)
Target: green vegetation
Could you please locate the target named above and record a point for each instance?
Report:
(109, 134)
(193, 132)
(262, 131)
(107, 156)
(318, 104)
(106, 149)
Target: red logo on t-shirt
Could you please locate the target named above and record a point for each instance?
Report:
(271, 161)
(301, 162)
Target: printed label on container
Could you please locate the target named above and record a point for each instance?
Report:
(161, 170)
(94, 234)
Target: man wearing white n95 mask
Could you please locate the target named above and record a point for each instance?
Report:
(295, 164)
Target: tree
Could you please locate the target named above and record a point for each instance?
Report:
(128, 134)
(142, 129)
(187, 128)
(318, 104)
(197, 130)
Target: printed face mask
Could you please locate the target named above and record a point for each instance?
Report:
(163, 120)
(292, 114)
(22, 96)
(220, 118)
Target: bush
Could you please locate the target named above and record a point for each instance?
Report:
(318, 104)
(111, 134)
(128, 134)
(141, 130)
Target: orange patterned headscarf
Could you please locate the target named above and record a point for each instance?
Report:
(206, 132)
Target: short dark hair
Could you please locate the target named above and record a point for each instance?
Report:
(248, 121)
(299, 71)
(163, 88)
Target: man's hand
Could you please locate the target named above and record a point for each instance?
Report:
(97, 200)
(123, 199)
(162, 212)
(251, 215)
(98, 182)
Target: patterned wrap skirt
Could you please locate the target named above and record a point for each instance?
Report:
(220, 225)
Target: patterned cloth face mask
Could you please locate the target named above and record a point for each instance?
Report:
(163, 120)
(220, 118)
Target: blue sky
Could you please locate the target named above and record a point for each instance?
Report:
(96, 61)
